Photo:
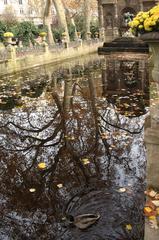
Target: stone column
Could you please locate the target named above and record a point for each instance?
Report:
(11, 52)
(115, 27)
(101, 21)
(141, 5)
(100, 14)
(152, 133)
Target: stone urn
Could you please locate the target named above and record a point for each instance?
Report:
(43, 36)
(152, 39)
(152, 132)
(8, 37)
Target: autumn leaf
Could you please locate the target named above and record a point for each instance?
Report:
(152, 217)
(156, 203)
(32, 190)
(154, 224)
(122, 190)
(60, 185)
(85, 161)
(129, 227)
(42, 165)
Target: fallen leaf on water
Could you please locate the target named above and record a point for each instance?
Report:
(150, 204)
(85, 161)
(42, 165)
(148, 211)
(152, 217)
(151, 193)
(153, 224)
(157, 210)
(60, 185)
(157, 196)
(32, 190)
(156, 203)
(122, 190)
(129, 227)
(71, 138)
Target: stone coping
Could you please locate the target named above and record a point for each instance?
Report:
(124, 44)
(150, 37)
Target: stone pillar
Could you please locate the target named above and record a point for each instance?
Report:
(115, 28)
(11, 52)
(101, 21)
(152, 132)
(45, 47)
(141, 6)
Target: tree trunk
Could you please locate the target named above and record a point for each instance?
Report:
(47, 21)
(61, 16)
(87, 16)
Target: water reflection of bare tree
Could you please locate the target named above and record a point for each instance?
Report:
(80, 137)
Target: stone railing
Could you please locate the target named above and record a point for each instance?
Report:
(23, 51)
(19, 59)
(3, 54)
(44, 47)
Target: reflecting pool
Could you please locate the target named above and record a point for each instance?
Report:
(71, 145)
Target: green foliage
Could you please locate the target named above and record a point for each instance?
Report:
(79, 21)
(25, 31)
(94, 28)
(71, 30)
(3, 29)
(57, 32)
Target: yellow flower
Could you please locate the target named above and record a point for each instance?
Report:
(135, 23)
(141, 20)
(130, 24)
(145, 15)
(139, 14)
(148, 21)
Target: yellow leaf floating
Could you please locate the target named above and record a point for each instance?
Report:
(32, 190)
(129, 227)
(42, 165)
(147, 209)
(156, 203)
(157, 209)
(60, 185)
(122, 190)
(152, 217)
(85, 161)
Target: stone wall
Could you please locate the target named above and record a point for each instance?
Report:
(18, 64)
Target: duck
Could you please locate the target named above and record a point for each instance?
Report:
(83, 221)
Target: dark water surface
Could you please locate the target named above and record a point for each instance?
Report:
(91, 141)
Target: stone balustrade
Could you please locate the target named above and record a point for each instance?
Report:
(18, 59)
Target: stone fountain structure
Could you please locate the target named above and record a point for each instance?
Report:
(114, 15)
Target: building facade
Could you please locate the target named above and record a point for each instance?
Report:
(114, 14)
(20, 9)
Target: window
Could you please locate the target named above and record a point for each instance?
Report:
(21, 11)
(20, 1)
(30, 11)
(5, 1)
